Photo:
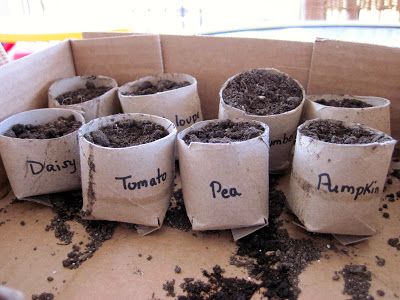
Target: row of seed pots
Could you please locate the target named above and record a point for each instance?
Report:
(125, 162)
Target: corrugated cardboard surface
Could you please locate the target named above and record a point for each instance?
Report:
(358, 69)
(116, 270)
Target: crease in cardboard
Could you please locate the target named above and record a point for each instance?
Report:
(343, 239)
(239, 233)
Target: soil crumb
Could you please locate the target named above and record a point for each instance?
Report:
(357, 281)
(380, 261)
(346, 102)
(43, 296)
(333, 131)
(224, 131)
(169, 287)
(55, 129)
(67, 208)
(127, 133)
(82, 95)
(176, 216)
(261, 92)
(148, 88)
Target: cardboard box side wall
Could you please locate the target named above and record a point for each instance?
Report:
(212, 60)
(24, 84)
(359, 69)
(124, 58)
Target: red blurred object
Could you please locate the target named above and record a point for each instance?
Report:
(8, 46)
(18, 55)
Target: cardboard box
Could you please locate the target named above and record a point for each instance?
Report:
(116, 270)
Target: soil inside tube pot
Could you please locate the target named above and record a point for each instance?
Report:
(371, 111)
(82, 94)
(224, 166)
(60, 127)
(225, 131)
(261, 92)
(127, 133)
(345, 102)
(95, 96)
(271, 97)
(40, 151)
(148, 88)
(173, 96)
(127, 168)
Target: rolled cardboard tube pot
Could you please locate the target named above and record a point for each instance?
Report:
(377, 116)
(336, 188)
(103, 105)
(225, 185)
(181, 106)
(282, 126)
(131, 184)
(41, 166)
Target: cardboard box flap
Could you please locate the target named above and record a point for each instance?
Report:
(24, 83)
(359, 69)
(212, 60)
(124, 58)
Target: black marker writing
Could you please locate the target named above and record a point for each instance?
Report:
(142, 183)
(216, 188)
(284, 140)
(324, 180)
(37, 167)
(187, 121)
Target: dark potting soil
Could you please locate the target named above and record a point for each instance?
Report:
(217, 287)
(176, 216)
(224, 131)
(127, 133)
(260, 92)
(148, 88)
(169, 287)
(60, 127)
(67, 208)
(336, 132)
(270, 256)
(348, 103)
(357, 281)
(43, 296)
(82, 95)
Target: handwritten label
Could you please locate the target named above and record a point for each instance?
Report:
(186, 121)
(284, 140)
(37, 167)
(142, 183)
(225, 192)
(324, 180)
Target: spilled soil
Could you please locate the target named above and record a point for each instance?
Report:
(67, 208)
(357, 281)
(176, 216)
(272, 258)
